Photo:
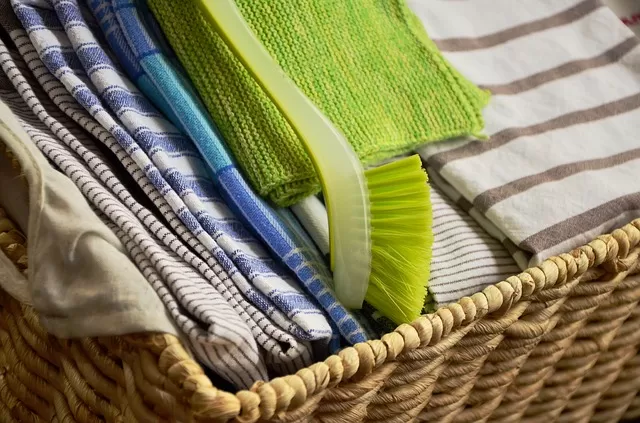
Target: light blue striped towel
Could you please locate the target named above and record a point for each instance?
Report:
(70, 50)
(272, 329)
(129, 28)
(216, 333)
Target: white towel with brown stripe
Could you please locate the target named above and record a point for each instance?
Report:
(562, 164)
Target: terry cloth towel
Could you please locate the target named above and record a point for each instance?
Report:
(81, 280)
(284, 353)
(219, 337)
(563, 161)
(628, 11)
(368, 65)
(133, 34)
(170, 163)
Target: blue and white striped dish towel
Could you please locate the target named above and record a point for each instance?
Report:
(132, 33)
(275, 332)
(216, 333)
(69, 48)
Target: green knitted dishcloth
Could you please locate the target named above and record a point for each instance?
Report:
(367, 64)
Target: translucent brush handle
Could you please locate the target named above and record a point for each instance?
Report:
(340, 171)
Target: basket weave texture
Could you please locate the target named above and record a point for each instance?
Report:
(558, 342)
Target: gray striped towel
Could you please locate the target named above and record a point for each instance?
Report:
(563, 161)
(69, 44)
(202, 299)
(273, 329)
(465, 258)
(218, 336)
(80, 278)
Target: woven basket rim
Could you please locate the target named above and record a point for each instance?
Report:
(284, 394)
(303, 389)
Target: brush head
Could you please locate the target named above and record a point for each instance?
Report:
(401, 237)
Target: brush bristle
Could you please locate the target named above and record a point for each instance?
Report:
(401, 238)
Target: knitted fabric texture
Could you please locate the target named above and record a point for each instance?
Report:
(368, 65)
(129, 26)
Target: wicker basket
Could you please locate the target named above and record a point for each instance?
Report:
(559, 342)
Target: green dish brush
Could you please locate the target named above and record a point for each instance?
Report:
(379, 219)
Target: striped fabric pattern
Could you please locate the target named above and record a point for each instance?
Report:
(214, 330)
(271, 328)
(563, 161)
(128, 26)
(70, 50)
(465, 258)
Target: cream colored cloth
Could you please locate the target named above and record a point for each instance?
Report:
(12, 281)
(80, 279)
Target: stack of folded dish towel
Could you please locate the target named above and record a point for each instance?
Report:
(161, 190)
